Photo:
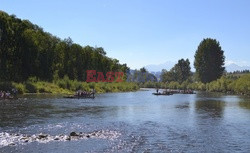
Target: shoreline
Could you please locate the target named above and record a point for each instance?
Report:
(207, 91)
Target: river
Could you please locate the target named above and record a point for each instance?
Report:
(126, 122)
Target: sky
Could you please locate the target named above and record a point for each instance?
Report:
(144, 32)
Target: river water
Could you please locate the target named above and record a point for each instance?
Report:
(127, 122)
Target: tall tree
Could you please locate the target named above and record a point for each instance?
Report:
(180, 72)
(209, 60)
(27, 51)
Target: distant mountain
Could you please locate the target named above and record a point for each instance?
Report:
(158, 67)
(235, 67)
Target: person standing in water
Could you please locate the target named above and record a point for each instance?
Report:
(93, 92)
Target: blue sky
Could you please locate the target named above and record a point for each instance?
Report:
(143, 32)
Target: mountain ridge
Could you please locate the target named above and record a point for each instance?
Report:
(156, 68)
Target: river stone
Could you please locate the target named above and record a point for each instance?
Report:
(68, 138)
(24, 138)
(74, 134)
(41, 136)
(11, 144)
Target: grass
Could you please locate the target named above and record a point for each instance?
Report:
(66, 86)
(227, 84)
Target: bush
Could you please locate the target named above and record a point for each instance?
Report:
(42, 90)
(174, 85)
(30, 88)
(33, 79)
(6, 86)
(20, 87)
(242, 85)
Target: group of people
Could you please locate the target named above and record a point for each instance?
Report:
(8, 95)
(5, 95)
(81, 93)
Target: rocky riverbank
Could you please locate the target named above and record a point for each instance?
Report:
(7, 139)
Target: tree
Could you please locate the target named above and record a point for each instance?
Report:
(180, 72)
(167, 76)
(27, 51)
(143, 70)
(209, 60)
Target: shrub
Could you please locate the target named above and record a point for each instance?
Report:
(6, 86)
(242, 85)
(30, 88)
(20, 87)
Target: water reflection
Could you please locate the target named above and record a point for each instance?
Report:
(16, 112)
(183, 106)
(211, 107)
(245, 103)
(209, 95)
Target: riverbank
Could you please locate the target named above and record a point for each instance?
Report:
(66, 86)
(226, 84)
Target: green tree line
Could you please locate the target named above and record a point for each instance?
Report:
(26, 50)
(227, 84)
(179, 73)
(210, 73)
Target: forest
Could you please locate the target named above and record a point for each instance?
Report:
(29, 55)
(26, 50)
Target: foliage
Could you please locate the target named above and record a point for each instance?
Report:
(225, 84)
(27, 51)
(141, 76)
(66, 86)
(179, 73)
(6, 86)
(209, 60)
(30, 87)
(242, 85)
(20, 87)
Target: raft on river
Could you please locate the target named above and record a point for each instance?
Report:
(164, 93)
(81, 95)
(171, 92)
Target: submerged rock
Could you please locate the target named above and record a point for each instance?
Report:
(24, 138)
(74, 134)
(7, 139)
(12, 144)
(68, 138)
(42, 136)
